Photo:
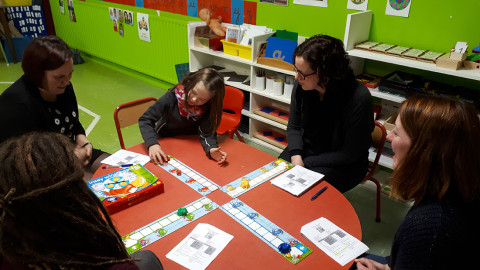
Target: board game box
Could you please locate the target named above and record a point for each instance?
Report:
(124, 188)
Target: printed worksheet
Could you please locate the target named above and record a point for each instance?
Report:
(124, 158)
(297, 180)
(335, 242)
(200, 247)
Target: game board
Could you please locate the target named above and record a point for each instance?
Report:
(189, 176)
(268, 232)
(126, 187)
(162, 227)
(255, 178)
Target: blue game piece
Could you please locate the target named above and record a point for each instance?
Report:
(282, 113)
(284, 248)
(279, 139)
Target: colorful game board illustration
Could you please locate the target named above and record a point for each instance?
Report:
(164, 226)
(271, 234)
(255, 178)
(190, 177)
(123, 188)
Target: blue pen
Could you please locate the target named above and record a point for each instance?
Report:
(318, 193)
(118, 166)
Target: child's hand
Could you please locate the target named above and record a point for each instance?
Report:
(219, 156)
(157, 155)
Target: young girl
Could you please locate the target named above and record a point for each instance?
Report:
(194, 106)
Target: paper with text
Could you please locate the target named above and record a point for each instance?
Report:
(335, 242)
(200, 247)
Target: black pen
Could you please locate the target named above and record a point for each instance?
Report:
(318, 193)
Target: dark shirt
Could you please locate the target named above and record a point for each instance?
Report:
(334, 132)
(437, 236)
(22, 109)
(163, 119)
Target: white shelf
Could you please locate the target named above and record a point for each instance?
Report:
(264, 120)
(263, 143)
(269, 95)
(377, 93)
(222, 55)
(472, 74)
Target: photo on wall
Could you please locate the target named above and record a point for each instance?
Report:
(128, 17)
(119, 15)
(120, 29)
(143, 27)
(399, 8)
(316, 3)
(357, 4)
(276, 2)
(61, 5)
(71, 11)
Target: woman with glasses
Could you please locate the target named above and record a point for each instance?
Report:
(331, 114)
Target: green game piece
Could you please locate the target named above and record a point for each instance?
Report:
(190, 216)
(162, 232)
(208, 206)
(182, 212)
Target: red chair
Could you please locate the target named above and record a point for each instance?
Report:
(232, 112)
(379, 135)
(127, 114)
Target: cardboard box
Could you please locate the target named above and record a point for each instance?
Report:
(205, 39)
(445, 62)
(389, 124)
(471, 65)
(458, 56)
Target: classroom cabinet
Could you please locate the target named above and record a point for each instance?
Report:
(201, 57)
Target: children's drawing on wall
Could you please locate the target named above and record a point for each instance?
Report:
(112, 11)
(128, 17)
(61, 6)
(316, 3)
(276, 2)
(120, 28)
(143, 26)
(398, 7)
(357, 4)
(71, 11)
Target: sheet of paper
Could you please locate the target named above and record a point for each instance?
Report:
(122, 157)
(461, 47)
(297, 180)
(200, 247)
(335, 242)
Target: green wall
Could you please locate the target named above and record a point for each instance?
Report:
(432, 25)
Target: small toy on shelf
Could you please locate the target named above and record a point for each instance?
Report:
(215, 24)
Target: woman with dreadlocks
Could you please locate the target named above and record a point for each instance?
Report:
(49, 219)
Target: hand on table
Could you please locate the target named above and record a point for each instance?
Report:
(219, 156)
(367, 264)
(157, 155)
(297, 160)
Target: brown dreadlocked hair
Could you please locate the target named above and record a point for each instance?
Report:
(49, 219)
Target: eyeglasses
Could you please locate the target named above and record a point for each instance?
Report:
(303, 76)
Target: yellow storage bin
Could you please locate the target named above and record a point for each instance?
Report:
(237, 49)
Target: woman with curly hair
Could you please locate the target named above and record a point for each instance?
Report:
(331, 114)
(49, 218)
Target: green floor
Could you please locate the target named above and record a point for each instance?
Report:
(100, 89)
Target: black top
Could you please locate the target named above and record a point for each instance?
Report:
(437, 236)
(163, 119)
(22, 109)
(334, 132)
